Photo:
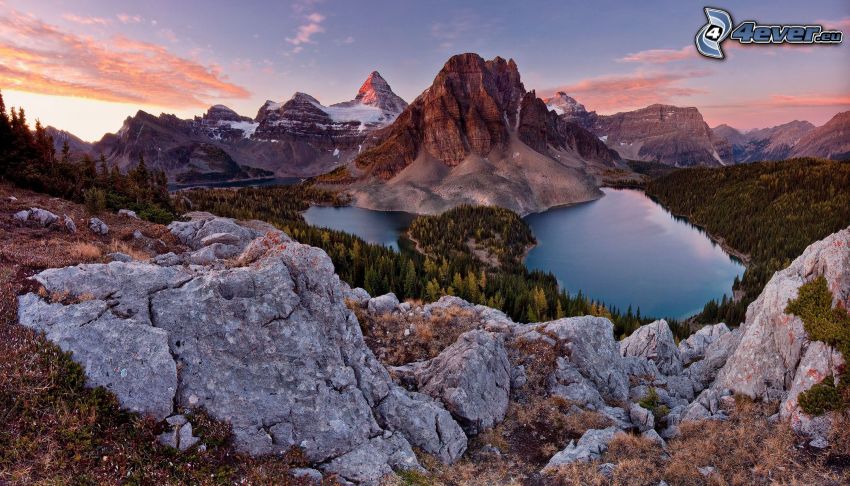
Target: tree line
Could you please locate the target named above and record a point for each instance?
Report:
(28, 159)
(769, 210)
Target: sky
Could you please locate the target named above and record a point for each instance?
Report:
(85, 65)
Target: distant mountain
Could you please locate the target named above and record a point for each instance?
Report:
(477, 136)
(299, 137)
(661, 133)
(76, 146)
(830, 141)
(775, 143)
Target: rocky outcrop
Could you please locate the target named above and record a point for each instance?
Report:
(471, 378)
(775, 359)
(654, 342)
(98, 227)
(693, 348)
(266, 344)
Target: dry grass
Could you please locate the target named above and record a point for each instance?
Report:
(744, 450)
(128, 249)
(84, 251)
(385, 334)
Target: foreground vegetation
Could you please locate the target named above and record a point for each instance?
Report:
(28, 159)
(450, 268)
(832, 326)
(769, 210)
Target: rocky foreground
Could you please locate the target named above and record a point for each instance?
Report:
(257, 330)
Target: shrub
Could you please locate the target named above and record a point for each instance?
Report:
(95, 200)
(831, 325)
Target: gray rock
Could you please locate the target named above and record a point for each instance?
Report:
(519, 378)
(11, 198)
(619, 416)
(568, 383)
(306, 474)
(98, 227)
(641, 417)
(223, 238)
(592, 350)
(119, 257)
(383, 304)
(819, 443)
(358, 295)
(168, 439)
(169, 259)
(703, 372)
(472, 379)
(70, 225)
(590, 447)
(37, 216)
(128, 213)
(201, 225)
(128, 357)
(269, 348)
(176, 420)
(654, 342)
(693, 348)
(213, 253)
(706, 471)
(680, 386)
(707, 406)
(424, 422)
(186, 439)
(373, 460)
(653, 437)
(404, 307)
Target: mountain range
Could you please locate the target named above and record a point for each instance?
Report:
(476, 135)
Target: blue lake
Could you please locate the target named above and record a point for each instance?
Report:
(623, 249)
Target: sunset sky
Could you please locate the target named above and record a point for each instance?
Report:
(85, 65)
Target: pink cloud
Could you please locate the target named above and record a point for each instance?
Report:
(129, 19)
(307, 31)
(86, 20)
(660, 56)
(622, 92)
(809, 100)
(40, 58)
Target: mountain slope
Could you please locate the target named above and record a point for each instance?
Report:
(774, 143)
(830, 141)
(476, 136)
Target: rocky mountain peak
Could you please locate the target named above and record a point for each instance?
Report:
(376, 91)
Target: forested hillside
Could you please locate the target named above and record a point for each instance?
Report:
(28, 159)
(493, 235)
(768, 210)
(522, 294)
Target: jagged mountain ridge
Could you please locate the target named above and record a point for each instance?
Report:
(664, 133)
(774, 143)
(299, 137)
(830, 141)
(477, 136)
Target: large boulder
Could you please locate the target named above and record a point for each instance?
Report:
(693, 348)
(98, 227)
(472, 378)
(424, 422)
(383, 304)
(767, 362)
(266, 344)
(655, 342)
(36, 216)
(589, 345)
(703, 372)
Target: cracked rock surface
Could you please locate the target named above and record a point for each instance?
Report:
(268, 346)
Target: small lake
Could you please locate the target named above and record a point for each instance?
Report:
(380, 227)
(623, 249)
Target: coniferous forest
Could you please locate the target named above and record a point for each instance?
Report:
(28, 159)
(770, 211)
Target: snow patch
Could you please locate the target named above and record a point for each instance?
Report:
(336, 152)
(604, 138)
(248, 128)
